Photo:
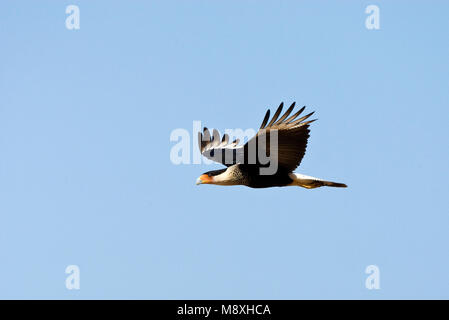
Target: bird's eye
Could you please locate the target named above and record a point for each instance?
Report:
(212, 153)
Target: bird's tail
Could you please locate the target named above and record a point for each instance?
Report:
(312, 182)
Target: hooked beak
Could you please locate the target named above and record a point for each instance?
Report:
(204, 179)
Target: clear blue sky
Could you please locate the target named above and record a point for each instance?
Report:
(85, 171)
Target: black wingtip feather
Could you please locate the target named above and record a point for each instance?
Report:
(265, 119)
(276, 115)
(286, 114)
(293, 117)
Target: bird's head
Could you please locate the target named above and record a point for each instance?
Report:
(224, 177)
(210, 177)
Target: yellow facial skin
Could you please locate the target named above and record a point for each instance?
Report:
(204, 179)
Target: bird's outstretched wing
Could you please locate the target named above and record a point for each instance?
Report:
(292, 135)
(219, 149)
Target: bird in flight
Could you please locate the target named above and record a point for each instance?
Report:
(279, 144)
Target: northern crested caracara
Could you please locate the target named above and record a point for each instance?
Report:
(246, 163)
